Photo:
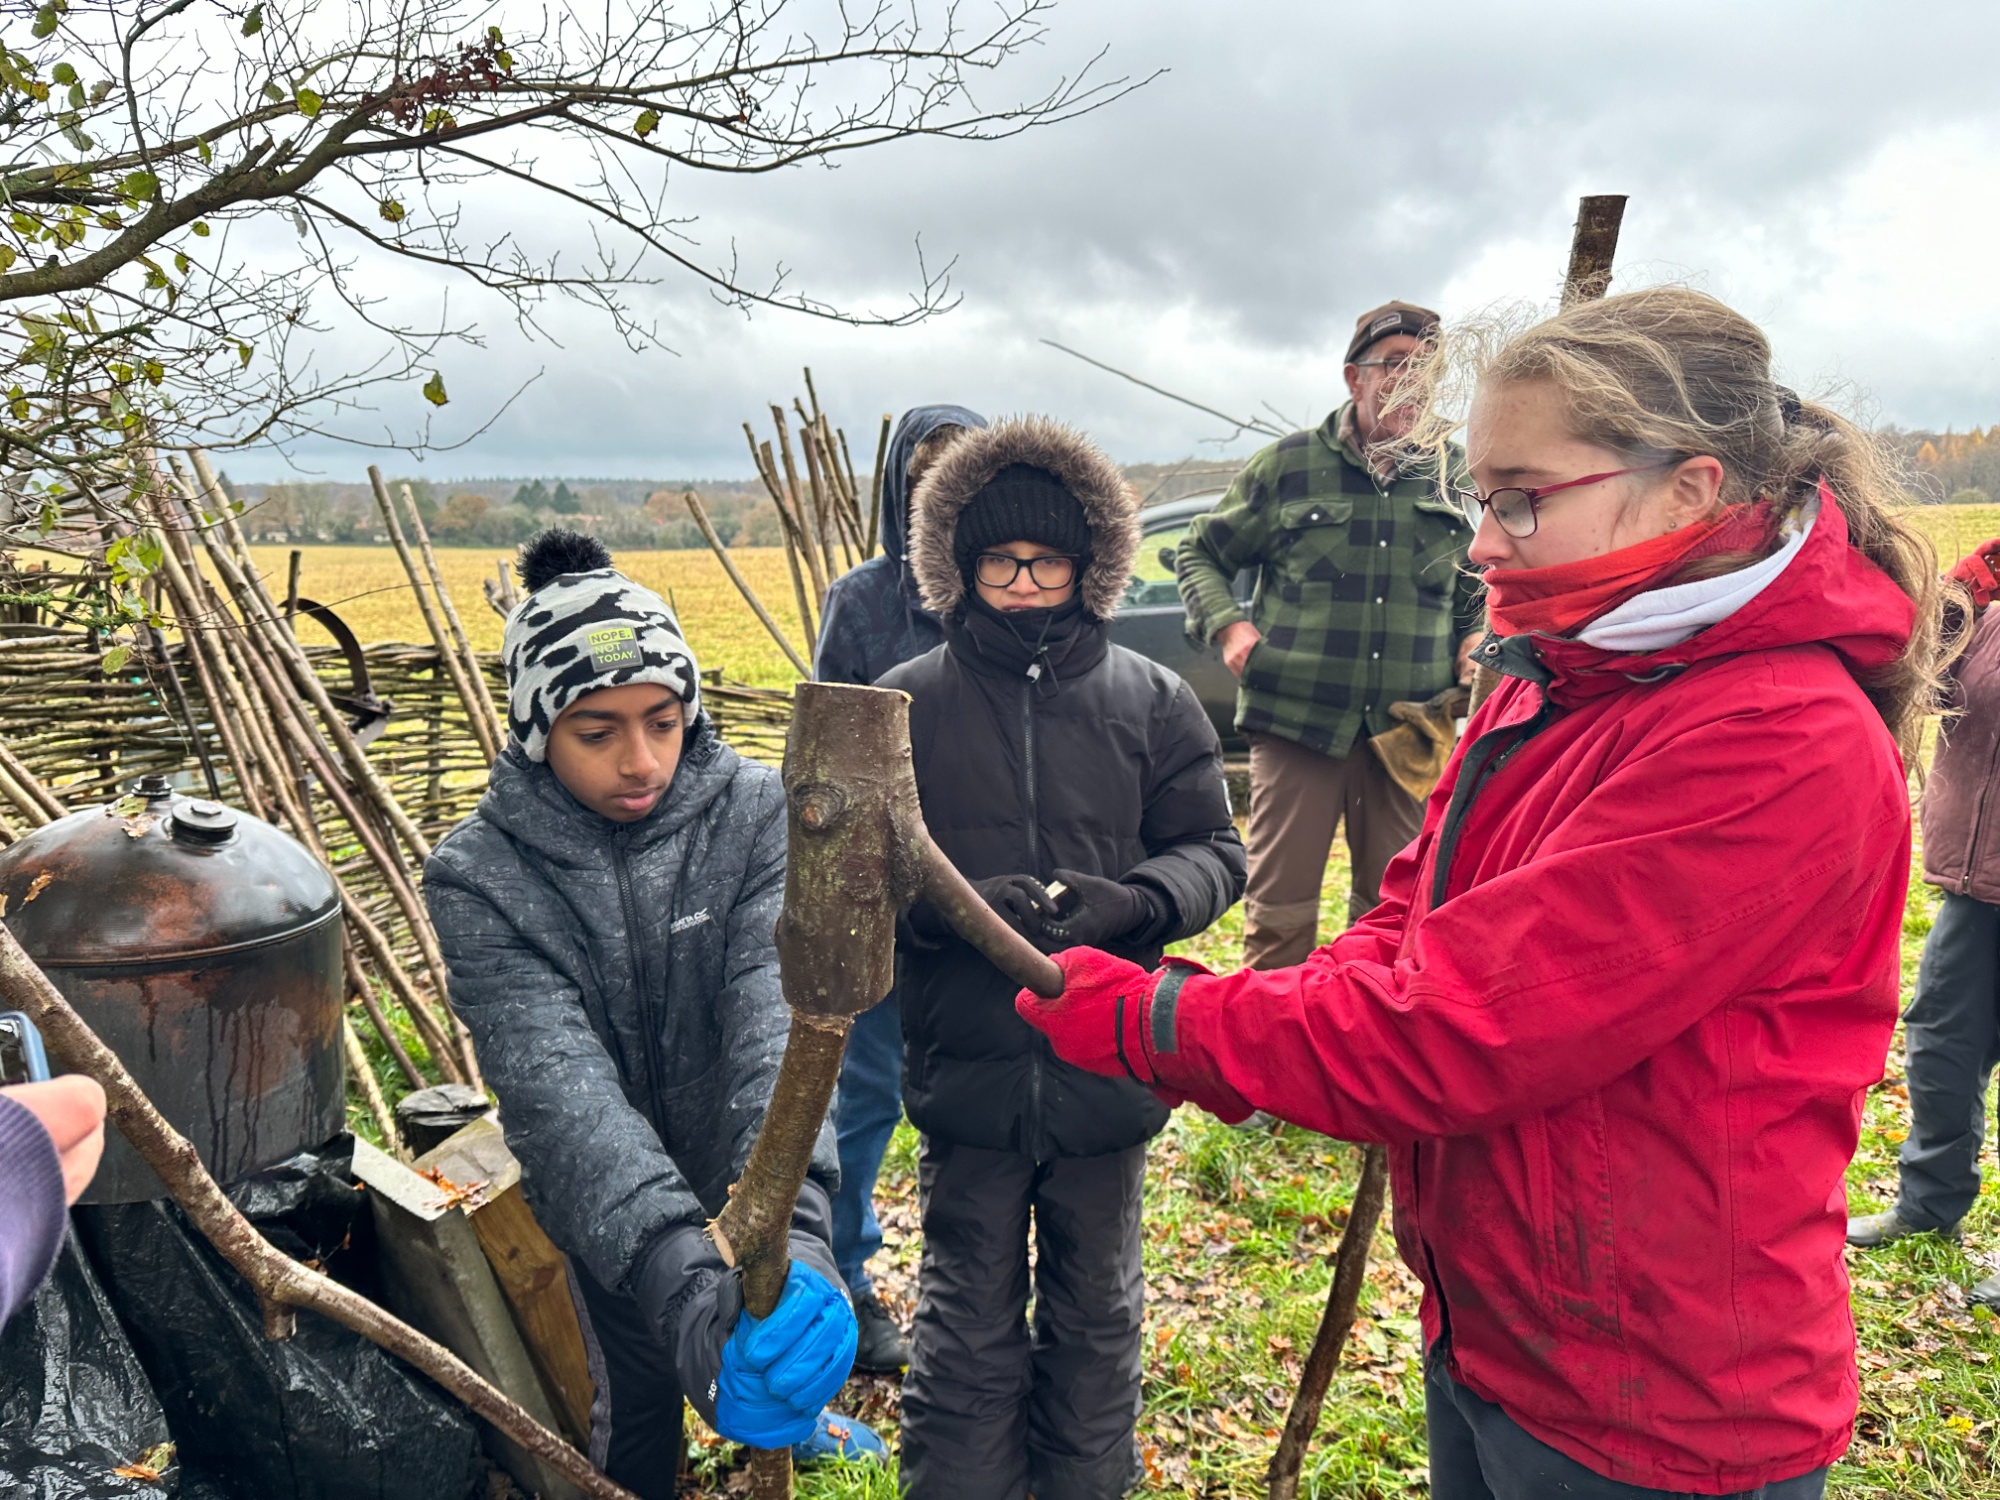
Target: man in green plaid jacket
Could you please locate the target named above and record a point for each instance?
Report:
(1363, 600)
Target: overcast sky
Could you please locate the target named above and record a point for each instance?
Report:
(1831, 169)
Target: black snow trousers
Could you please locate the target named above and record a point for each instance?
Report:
(635, 1416)
(993, 1410)
(1952, 1029)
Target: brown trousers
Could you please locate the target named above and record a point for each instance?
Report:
(1298, 798)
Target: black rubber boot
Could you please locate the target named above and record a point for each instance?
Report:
(882, 1349)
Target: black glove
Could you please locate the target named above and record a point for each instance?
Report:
(691, 1300)
(1103, 911)
(1019, 900)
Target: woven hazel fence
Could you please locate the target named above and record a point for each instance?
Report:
(86, 734)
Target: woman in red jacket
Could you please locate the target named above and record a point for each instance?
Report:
(1618, 1009)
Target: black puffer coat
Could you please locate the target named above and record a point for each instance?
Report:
(1103, 762)
(621, 986)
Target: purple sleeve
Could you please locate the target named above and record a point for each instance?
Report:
(33, 1212)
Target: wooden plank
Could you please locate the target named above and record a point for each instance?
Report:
(531, 1271)
(436, 1277)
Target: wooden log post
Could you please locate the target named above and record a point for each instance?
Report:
(1350, 1269)
(281, 1284)
(1593, 246)
(858, 853)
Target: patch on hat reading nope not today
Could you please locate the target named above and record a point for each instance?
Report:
(614, 646)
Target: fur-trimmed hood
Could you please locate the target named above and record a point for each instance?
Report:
(1110, 507)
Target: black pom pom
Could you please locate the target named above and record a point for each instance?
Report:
(548, 555)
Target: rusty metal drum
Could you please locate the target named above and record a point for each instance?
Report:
(204, 947)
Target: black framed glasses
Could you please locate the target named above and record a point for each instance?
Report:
(1518, 510)
(998, 571)
(1392, 364)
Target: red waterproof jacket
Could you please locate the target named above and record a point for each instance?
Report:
(1615, 1016)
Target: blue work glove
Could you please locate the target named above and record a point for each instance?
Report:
(778, 1372)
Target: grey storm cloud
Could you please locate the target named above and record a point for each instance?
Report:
(1219, 228)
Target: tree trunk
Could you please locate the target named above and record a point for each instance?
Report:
(858, 853)
(1350, 1269)
(281, 1284)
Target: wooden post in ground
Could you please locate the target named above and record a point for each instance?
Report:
(858, 853)
(1593, 246)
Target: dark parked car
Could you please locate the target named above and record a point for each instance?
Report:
(1153, 621)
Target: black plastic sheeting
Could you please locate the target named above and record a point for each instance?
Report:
(74, 1403)
(324, 1415)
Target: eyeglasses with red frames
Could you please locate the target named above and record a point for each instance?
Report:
(1518, 510)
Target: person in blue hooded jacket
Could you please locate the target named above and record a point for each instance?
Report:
(875, 621)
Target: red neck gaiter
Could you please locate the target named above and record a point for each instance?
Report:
(1561, 600)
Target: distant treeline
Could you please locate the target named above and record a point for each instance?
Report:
(504, 512)
(1960, 468)
(625, 513)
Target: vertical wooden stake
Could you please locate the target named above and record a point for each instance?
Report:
(1593, 245)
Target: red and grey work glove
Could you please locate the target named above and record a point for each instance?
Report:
(1976, 571)
(1115, 1019)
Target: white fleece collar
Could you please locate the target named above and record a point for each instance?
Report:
(1660, 618)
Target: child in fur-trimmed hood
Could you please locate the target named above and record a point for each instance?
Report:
(1044, 756)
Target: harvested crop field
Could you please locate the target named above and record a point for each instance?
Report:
(366, 588)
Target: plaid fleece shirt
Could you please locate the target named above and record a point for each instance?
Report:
(1362, 591)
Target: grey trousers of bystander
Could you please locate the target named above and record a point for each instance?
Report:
(1952, 1032)
(1298, 799)
(993, 1410)
(1478, 1452)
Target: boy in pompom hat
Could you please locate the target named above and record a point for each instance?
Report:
(607, 916)
(1044, 756)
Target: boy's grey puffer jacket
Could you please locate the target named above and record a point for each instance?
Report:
(621, 985)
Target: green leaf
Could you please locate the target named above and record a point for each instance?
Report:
(200, 228)
(205, 151)
(273, 92)
(647, 123)
(115, 658)
(75, 136)
(309, 103)
(45, 21)
(138, 187)
(243, 353)
(76, 96)
(63, 73)
(391, 210)
(434, 389)
(181, 262)
(7, 256)
(254, 22)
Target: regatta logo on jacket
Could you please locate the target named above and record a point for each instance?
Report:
(684, 923)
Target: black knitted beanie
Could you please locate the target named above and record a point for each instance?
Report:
(1021, 503)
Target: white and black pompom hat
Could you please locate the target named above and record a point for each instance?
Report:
(585, 626)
